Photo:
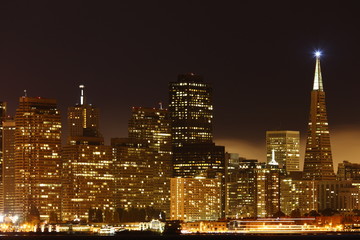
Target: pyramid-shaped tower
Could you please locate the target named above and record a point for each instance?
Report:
(318, 163)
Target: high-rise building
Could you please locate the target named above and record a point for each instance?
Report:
(195, 159)
(318, 164)
(194, 199)
(268, 188)
(37, 159)
(191, 113)
(8, 170)
(88, 180)
(287, 149)
(88, 173)
(191, 110)
(153, 126)
(83, 118)
(240, 178)
(2, 118)
(134, 169)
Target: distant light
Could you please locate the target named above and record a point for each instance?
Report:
(317, 54)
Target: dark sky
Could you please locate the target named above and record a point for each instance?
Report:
(258, 56)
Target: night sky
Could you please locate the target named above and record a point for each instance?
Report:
(258, 56)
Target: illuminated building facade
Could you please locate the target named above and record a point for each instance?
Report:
(37, 158)
(83, 118)
(348, 171)
(240, 178)
(194, 199)
(134, 173)
(88, 166)
(342, 196)
(8, 169)
(88, 180)
(298, 194)
(2, 118)
(191, 114)
(153, 126)
(268, 189)
(318, 163)
(191, 110)
(287, 149)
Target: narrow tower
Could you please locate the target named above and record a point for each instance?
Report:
(318, 163)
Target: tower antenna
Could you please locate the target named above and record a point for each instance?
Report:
(160, 105)
(81, 94)
(25, 93)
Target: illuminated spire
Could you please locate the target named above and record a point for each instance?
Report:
(81, 94)
(273, 161)
(318, 85)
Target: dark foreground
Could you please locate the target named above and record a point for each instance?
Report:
(333, 236)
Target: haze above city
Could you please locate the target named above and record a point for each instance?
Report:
(258, 56)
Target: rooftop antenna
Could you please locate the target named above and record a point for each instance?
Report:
(25, 93)
(160, 105)
(81, 94)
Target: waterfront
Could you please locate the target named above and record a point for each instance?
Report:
(330, 236)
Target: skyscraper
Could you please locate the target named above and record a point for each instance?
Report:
(8, 170)
(191, 113)
(83, 119)
(2, 118)
(134, 169)
(287, 149)
(318, 164)
(153, 126)
(88, 175)
(268, 188)
(241, 187)
(191, 110)
(37, 158)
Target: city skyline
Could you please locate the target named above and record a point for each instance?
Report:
(126, 54)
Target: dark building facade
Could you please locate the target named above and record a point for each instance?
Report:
(191, 110)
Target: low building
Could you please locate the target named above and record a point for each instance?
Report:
(194, 199)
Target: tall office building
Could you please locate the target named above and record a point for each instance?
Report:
(191, 113)
(287, 149)
(318, 164)
(192, 160)
(153, 126)
(241, 194)
(2, 118)
(268, 188)
(191, 110)
(83, 119)
(8, 170)
(88, 174)
(135, 172)
(37, 158)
